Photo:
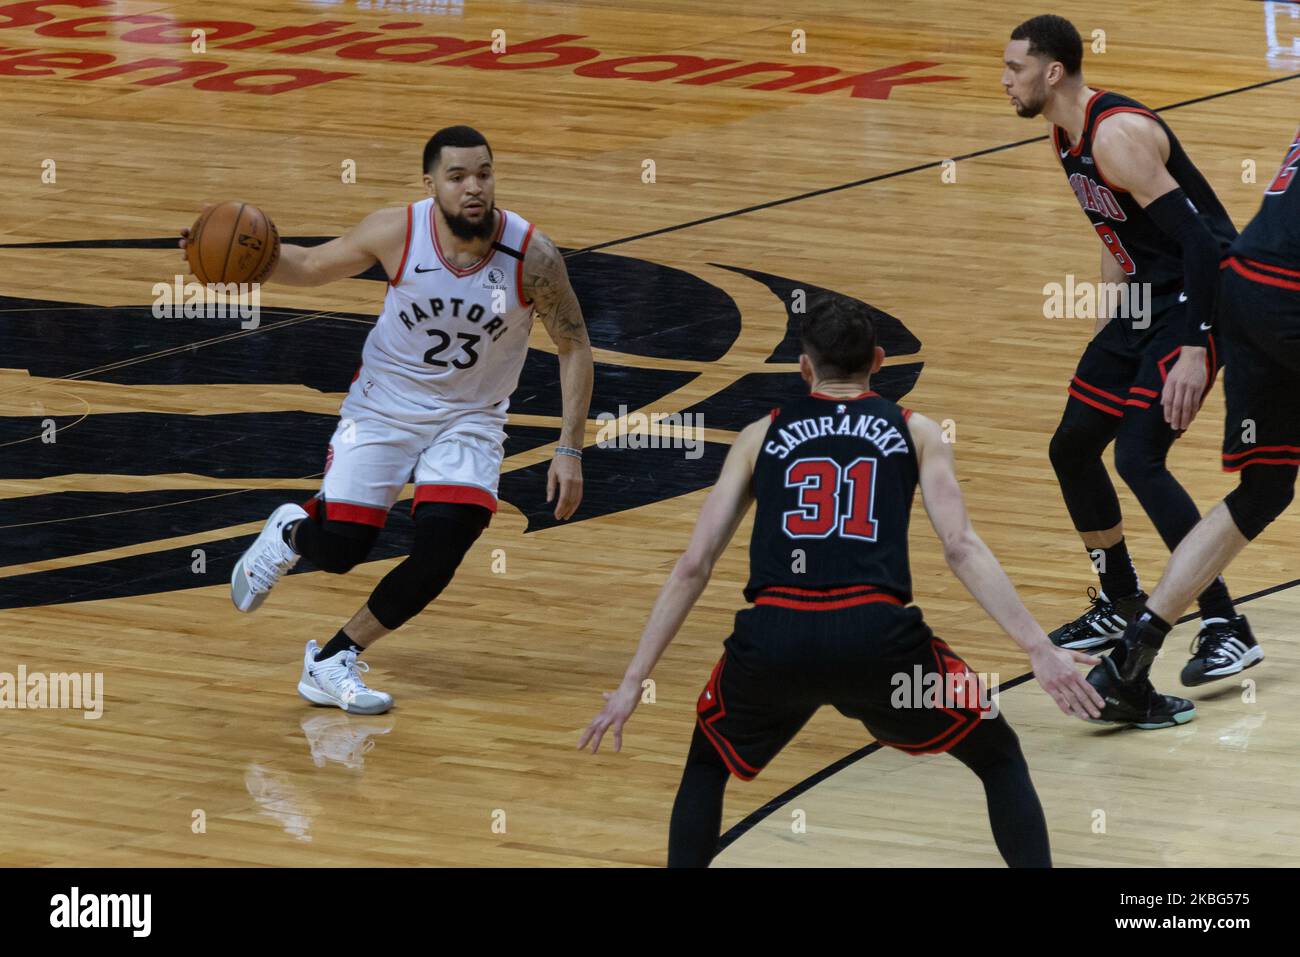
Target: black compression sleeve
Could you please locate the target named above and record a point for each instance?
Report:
(1176, 216)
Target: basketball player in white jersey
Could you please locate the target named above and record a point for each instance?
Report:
(428, 403)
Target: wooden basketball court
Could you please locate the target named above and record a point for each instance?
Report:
(696, 169)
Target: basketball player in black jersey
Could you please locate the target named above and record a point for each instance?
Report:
(1259, 328)
(1146, 371)
(834, 474)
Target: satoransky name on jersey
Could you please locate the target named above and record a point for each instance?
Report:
(391, 42)
(879, 432)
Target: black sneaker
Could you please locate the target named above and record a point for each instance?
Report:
(1222, 648)
(1139, 703)
(1102, 625)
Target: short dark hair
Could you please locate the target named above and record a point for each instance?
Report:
(1055, 38)
(839, 338)
(451, 136)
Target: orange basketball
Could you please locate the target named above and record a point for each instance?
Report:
(233, 242)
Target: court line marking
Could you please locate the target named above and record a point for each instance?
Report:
(811, 194)
(933, 164)
(756, 817)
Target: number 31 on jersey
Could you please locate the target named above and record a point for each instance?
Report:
(832, 500)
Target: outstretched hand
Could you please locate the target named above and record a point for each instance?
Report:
(619, 706)
(1055, 671)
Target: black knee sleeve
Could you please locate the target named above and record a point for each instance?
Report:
(992, 751)
(1262, 495)
(1141, 452)
(444, 532)
(993, 743)
(1069, 450)
(696, 819)
(1137, 464)
(334, 546)
(1075, 451)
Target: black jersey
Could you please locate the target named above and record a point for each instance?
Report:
(1273, 236)
(1144, 251)
(834, 483)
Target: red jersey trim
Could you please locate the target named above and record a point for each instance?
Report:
(1101, 392)
(1263, 448)
(1259, 277)
(1269, 267)
(965, 719)
(791, 590)
(463, 494)
(1087, 126)
(1241, 465)
(470, 270)
(827, 605)
(519, 267)
(852, 398)
(1114, 109)
(726, 750)
(406, 251)
(361, 514)
(1094, 403)
(781, 596)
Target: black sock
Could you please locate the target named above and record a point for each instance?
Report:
(340, 642)
(1119, 579)
(1142, 641)
(696, 822)
(1215, 602)
(287, 532)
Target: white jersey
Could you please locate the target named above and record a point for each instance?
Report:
(448, 338)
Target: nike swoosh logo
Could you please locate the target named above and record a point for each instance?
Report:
(434, 269)
(1205, 328)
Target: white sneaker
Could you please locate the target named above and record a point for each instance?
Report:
(269, 557)
(337, 681)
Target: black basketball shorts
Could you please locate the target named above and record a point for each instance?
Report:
(877, 662)
(1259, 328)
(1123, 369)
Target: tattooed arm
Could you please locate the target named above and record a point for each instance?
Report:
(546, 284)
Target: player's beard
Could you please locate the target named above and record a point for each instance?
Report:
(462, 227)
(1031, 107)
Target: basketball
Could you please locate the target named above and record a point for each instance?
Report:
(232, 242)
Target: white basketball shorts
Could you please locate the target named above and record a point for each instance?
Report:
(454, 456)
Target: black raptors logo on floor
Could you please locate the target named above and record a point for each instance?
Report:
(634, 307)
